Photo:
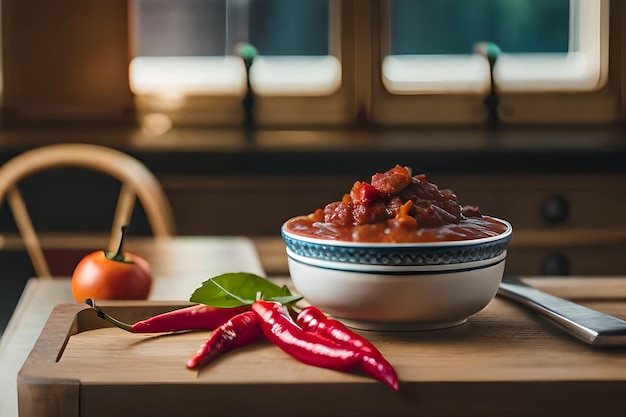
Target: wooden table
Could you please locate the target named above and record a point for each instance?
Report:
(179, 265)
(505, 361)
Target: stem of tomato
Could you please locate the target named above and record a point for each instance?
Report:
(105, 316)
(119, 255)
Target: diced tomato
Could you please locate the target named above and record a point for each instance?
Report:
(364, 193)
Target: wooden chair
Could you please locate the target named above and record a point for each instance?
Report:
(137, 183)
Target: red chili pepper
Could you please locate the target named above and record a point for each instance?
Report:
(241, 330)
(195, 317)
(307, 347)
(312, 319)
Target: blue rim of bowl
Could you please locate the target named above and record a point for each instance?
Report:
(400, 254)
(410, 270)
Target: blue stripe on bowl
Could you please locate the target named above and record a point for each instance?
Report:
(399, 255)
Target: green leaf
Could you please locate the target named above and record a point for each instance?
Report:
(242, 288)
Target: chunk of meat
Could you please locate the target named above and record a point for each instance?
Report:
(420, 188)
(452, 207)
(392, 181)
(393, 206)
(471, 211)
(372, 213)
(339, 213)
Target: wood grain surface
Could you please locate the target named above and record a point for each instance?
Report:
(505, 361)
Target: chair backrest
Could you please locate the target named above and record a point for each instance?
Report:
(137, 183)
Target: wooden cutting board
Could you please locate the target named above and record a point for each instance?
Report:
(505, 361)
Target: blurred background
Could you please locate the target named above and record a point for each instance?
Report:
(252, 111)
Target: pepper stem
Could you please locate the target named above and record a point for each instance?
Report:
(105, 316)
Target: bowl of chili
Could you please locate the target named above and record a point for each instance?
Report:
(397, 253)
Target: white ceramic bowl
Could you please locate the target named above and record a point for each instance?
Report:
(398, 286)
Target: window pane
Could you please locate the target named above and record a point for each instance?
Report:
(289, 27)
(181, 27)
(214, 27)
(454, 26)
(189, 47)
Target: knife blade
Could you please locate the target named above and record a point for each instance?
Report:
(590, 326)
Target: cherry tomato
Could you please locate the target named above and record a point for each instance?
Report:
(104, 275)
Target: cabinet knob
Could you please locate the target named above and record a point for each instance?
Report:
(556, 209)
(556, 264)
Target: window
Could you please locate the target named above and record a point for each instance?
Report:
(548, 47)
(581, 65)
(187, 59)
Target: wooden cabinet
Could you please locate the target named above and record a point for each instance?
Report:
(562, 224)
(570, 224)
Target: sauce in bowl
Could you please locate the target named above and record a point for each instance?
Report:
(396, 207)
(392, 231)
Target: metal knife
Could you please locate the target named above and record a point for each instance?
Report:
(590, 326)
